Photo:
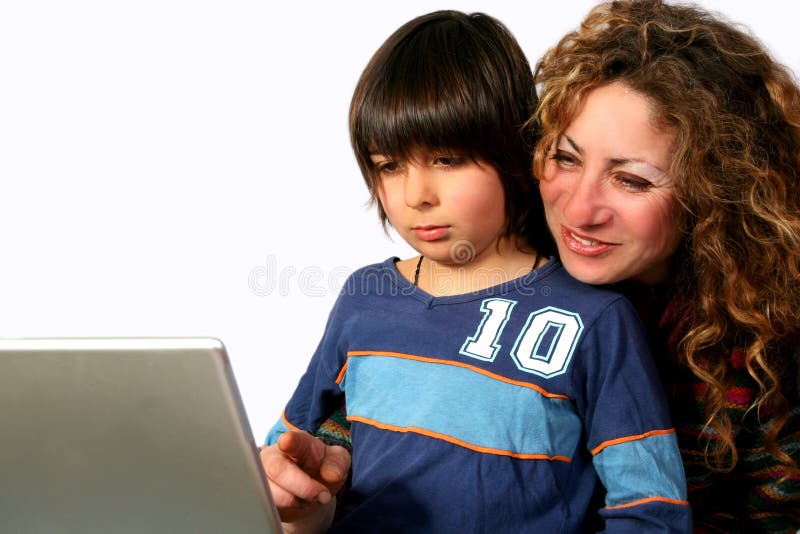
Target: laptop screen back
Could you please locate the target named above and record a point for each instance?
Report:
(126, 435)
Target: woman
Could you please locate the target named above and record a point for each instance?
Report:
(669, 164)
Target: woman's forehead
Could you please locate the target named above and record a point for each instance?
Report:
(616, 123)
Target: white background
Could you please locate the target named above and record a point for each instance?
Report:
(177, 167)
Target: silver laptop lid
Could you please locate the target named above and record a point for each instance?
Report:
(126, 435)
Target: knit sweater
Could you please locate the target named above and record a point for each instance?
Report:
(759, 494)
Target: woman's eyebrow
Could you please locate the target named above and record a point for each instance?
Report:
(572, 142)
(636, 162)
(616, 161)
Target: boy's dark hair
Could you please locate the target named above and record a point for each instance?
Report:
(452, 81)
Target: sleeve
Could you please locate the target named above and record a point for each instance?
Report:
(317, 395)
(629, 433)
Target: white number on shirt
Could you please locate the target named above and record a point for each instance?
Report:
(544, 345)
(483, 344)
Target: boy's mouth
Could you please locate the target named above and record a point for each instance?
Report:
(430, 232)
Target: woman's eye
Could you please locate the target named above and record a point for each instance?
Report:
(563, 159)
(633, 183)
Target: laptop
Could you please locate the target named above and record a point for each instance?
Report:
(126, 435)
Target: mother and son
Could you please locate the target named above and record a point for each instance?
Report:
(601, 328)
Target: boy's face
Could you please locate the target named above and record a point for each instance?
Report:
(449, 207)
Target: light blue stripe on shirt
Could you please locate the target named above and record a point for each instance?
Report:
(633, 464)
(460, 403)
(276, 431)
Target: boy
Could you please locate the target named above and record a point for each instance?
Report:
(487, 390)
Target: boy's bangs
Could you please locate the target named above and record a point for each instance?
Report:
(401, 124)
(426, 99)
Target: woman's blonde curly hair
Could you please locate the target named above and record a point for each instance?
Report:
(735, 113)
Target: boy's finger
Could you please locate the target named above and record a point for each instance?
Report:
(296, 483)
(335, 465)
(303, 448)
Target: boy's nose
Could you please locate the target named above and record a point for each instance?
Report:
(419, 188)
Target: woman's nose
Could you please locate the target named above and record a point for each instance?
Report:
(585, 202)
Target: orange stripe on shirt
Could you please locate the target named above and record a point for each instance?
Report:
(460, 443)
(627, 439)
(340, 377)
(287, 423)
(427, 359)
(647, 500)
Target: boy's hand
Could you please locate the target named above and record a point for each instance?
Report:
(304, 474)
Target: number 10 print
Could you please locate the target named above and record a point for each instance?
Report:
(543, 347)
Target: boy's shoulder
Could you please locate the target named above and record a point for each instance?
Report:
(557, 290)
(557, 283)
(383, 267)
(376, 271)
(379, 277)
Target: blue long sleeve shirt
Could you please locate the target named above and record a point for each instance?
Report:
(493, 411)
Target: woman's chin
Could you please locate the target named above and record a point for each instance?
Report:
(591, 274)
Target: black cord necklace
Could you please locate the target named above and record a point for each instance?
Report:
(419, 264)
(416, 273)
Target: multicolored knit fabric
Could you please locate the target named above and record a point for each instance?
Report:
(759, 494)
(336, 430)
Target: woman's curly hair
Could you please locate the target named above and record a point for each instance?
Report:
(735, 113)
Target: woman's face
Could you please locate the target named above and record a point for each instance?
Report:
(609, 201)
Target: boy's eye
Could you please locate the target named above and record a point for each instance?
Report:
(386, 167)
(448, 161)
